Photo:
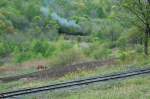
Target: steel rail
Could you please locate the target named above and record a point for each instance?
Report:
(75, 83)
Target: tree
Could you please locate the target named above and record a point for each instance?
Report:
(141, 11)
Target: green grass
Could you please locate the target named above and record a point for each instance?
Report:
(115, 90)
(131, 88)
(104, 70)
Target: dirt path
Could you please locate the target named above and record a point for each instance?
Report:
(56, 72)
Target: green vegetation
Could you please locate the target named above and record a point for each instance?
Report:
(27, 33)
(134, 88)
(56, 33)
(142, 81)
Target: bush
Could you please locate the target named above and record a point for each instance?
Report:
(101, 53)
(99, 49)
(122, 42)
(42, 47)
(4, 49)
(21, 57)
(139, 48)
(62, 45)
(127, 56)
(39, 47)
(35, 49)
(123, 55)
(69, 57)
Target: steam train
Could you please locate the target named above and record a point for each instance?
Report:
(72, 31)
(69, 27)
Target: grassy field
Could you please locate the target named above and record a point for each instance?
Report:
(71, 76)
(131, 88)
(136, 88)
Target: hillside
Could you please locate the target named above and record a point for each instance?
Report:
(50, 36)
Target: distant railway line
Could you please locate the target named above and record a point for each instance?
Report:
(56, 72)
(75, 83)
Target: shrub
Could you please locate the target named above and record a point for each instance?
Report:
(139, 48)
(62, 45)
(122, 42)
(50, 50)
(128, 56)
(20, 57)
(101, 53)
(99, 50)
(123, 55)
(69, 57)
(4, 49)
(43, 47)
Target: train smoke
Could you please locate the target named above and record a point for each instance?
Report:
(62, 21)
(45, 11)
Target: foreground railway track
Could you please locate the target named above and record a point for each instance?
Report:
(75, 83)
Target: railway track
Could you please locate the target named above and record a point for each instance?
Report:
(75, 83)
(56, 72)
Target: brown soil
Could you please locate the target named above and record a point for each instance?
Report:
(6, 69)
(23, 66)
(56, 72)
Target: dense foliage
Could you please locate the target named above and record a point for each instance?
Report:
(28, 30)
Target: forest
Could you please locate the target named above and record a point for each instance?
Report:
(57, 33)
(39, 28)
